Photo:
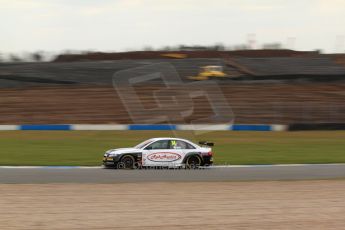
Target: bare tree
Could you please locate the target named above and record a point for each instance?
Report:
(219, 46)
(37, 56)
(15, 58)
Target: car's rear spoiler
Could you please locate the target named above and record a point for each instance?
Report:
(206, 143)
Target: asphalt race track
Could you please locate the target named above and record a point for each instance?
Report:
(32, 175)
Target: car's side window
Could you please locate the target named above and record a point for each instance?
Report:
(176, 144)
(189, 146)
(173, 144)
(162, 144)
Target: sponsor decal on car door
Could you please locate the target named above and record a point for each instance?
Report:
(162, 155)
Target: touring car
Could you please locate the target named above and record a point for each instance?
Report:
(161, 152)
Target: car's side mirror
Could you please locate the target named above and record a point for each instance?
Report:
(148, 148)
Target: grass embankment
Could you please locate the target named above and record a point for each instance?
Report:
(87, 147)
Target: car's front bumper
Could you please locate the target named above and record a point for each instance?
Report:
(110, 161)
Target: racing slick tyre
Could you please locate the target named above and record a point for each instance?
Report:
(193, 162)
(126, 162)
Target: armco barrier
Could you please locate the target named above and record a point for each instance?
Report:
(152, 127)
(199, 127)
(45, 127)
(251, 128)
(203, 127)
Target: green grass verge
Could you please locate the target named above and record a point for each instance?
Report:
(87, 147)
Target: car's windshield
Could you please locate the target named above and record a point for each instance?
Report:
(142, 144)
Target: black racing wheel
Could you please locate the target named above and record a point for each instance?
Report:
(126, 162)
(193, 162)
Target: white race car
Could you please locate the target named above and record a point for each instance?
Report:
(161, 152)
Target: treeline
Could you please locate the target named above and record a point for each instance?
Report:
(40, 56)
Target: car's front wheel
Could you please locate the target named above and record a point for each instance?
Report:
(126, 162)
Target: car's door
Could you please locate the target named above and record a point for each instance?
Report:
(162, 153)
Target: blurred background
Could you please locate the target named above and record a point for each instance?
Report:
(277, 62)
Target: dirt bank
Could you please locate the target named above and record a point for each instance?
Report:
(267, 104)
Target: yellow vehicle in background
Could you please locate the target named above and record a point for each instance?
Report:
(210, 71)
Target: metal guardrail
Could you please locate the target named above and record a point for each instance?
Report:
(203, 127)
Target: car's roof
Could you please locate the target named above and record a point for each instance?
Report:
(170, 138)
(167, 138)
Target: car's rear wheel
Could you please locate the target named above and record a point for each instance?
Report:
(193, 162)
(126, 162)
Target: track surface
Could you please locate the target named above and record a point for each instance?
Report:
(269, 205)
(236, 173)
